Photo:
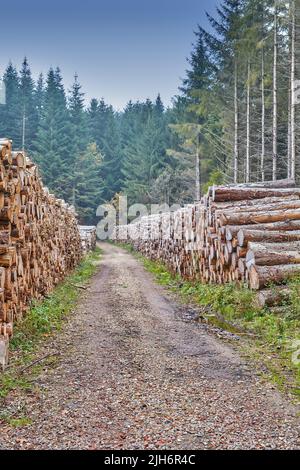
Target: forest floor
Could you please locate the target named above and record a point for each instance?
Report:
(135, 371)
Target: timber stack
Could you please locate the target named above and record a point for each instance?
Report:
(247, 234)
(88, 237)
(39, 239)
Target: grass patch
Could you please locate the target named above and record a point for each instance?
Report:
(42, 320)
(272, 337)
(19, 422)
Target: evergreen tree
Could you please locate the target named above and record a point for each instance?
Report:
(104, 130)
(11, 116)
(28, 110)
(77, 117)
(144, 154)
(53, 143)
(39, 97)
(87, 184)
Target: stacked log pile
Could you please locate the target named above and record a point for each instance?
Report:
(88, 237)
(247, 234)
(39, 238)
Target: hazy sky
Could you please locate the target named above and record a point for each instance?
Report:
(121, 49)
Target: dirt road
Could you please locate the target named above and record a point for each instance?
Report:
(134, 374)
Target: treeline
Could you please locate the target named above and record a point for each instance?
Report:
(235, 119)
(88, 154)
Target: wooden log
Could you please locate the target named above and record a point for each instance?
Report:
(231, 231)
(244, 218)
(19, 159)
(262, 276)
(242, 211)
(283, 183)
(223, 194)
(273, 297)
(272, 254)
(246, 236)
(240, 205)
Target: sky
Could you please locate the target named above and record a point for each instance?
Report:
(120, 49)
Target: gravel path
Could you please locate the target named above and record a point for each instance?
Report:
(134, 374)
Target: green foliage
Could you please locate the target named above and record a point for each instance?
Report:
(19, 422)
(144, 137)
(87, 183)
(216, 178)
(104, 129)
(53, 143)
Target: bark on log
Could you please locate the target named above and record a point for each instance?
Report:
(262, 276)
(231, 231)
(246, 236)
(275, 296)
(246, 218)
(223, 194)
(283, 183)
(242, 211)
(272, 255)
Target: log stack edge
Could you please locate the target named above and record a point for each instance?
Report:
(39, 239)
(246, 234)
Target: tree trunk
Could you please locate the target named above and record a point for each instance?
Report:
(23, 128)
(275, 95)
(198, 183)
(248, 125)
(263, 118)
(236, 125)
(293, 92)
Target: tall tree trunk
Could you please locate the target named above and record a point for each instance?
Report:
(198, 174)
(275, 97)
(248, 125)
(289, 150)
(236, 124)
(263, 117)
(23, 128)
(293, 92)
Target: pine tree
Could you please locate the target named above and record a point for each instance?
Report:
(11, 116)
(87, 184)
(78, 131)
(53, 143)
(78, 117)
(104, 130)
(144, 154)
(39, 97)
(29, 116)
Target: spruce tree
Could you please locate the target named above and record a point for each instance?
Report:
(88, 184)
(29, 114)
(53, 142)
(11, 110)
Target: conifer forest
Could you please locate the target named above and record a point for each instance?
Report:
(235, 113)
